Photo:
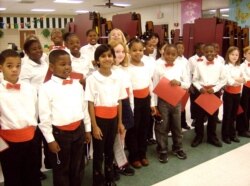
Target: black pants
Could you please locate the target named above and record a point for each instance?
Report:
(230, 106)
(194, 93)
(137, 135)
(104, 149)
(242, 121)
(211, 125)
(19, 164)
(70, 170)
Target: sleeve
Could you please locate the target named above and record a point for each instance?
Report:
(26, 73)
(196, 78)
(230, 80)
(222, 79)
(86, 119)
(185, 79)
(89, 92)
(45, 113)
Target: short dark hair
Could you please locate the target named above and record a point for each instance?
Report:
(90, 30)
(55, 54)
(7, 53)
(101, 49)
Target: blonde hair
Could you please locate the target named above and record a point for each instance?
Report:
(124, 40)
(246, 49)
(113, 44)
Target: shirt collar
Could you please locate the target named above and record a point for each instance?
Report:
(102, 78)
(57, 79)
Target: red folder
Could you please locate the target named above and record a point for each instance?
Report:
(240, 110)
(184, 101)
(209, 102)
(170, 94)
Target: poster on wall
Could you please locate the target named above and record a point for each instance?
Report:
(190, 10)
(240, 12)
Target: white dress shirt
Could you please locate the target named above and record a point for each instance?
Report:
(89, 51)
(233, 72)
(61, 105)
(245, 70)
(193, 61)
(17, 107)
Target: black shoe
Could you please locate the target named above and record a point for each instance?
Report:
(110, 183)
(226, 140)
(215, 142)
(42, 176)
(151, 141)
(163, 157)
(180, 154)
(186, 127)
(235, 139)
(126, 171)
(116, 172)
(197, 141)
(244, 134)
(193, 123)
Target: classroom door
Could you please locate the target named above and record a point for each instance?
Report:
(23, 34)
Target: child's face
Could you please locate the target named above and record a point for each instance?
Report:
(35, 51)
(200, 50)
(92, 38)
(234, 56)
(170, 54)
(136, 52)
(247, 55)
(11, 69)
(209, 53)
(149, 48)
(119, 54)
(62, 67)
(106, 60)
(74, 45)
(57, 38)
(154, 40)
(180, 49)
(116, 35)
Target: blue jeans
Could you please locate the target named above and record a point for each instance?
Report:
(171, 122)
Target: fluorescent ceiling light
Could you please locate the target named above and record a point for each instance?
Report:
(224, 10)
(122, 4)
(225, 15)
(2, 9)
(212, 11)
(81, 11)
(42, 10)
(68, 1)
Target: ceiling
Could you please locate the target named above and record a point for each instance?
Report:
(24, 6)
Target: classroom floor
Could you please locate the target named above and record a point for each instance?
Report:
(206, 165)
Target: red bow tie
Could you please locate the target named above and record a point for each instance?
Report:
(199, 59)
(13, 86)
(169, 65)
(210, 62)
(67, 81)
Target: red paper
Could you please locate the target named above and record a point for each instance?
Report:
(209, 102)
(240, 110)
(184, 101)
(170, 94)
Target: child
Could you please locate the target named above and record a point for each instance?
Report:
(183, 62)
(89, 49)
(56, 37)
(231, 96)
(192, 62)
(142, 90)
(242, 123)
(62, 110)
(208, 77)
(121, 64)
(104, 92)
(155, 39)
(80, 64)
(217, 51)
(18, 101)
(171, 115)
(117, 34)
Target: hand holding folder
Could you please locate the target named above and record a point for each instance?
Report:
(167, 92)
(209, 102)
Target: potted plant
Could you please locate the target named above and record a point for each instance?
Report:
(45, 32)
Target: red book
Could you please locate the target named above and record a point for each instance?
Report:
(170, 94)
(209, 102)
(184, 101)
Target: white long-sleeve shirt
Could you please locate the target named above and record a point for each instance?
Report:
(61, 105)
(17, 107)
(245, 70)
(233, 72)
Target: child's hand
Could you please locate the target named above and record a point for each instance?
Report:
(54, 147)
(153, 111)
(87, 137)
(121, 128)
(203, 90)
(210, 91)
(175, 83)
(97, 133)
(240, 80)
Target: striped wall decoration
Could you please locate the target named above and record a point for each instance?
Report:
(34, 22)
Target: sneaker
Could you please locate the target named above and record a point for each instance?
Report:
(163, 157)
(151, 141)
(180, 154)
(126, 171)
